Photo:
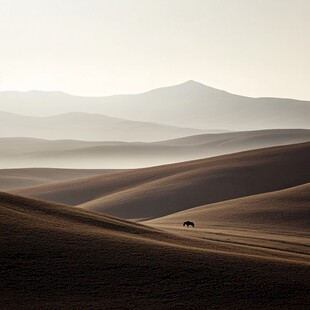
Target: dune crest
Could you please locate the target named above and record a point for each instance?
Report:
(53, 255)
(27, 152)
(158, 191)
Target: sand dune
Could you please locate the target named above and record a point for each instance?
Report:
(284, 210)
(19, 178)
(54, 256)
(163, 190)
(277, 220)
(25, 152)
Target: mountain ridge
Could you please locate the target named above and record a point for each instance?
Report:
(188, 82)
(190, 104)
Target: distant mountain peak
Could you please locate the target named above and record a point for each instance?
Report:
(187, 86)
(192, 85)
(191, 82)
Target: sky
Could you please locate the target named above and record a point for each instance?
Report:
(256, 48)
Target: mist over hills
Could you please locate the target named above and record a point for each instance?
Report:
(190, 104)
(162, 190)
(89, 127)
(26, 152)
(19, 178)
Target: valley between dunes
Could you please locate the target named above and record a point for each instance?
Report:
(157, 191)
(249, 249)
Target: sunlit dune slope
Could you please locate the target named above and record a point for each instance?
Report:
(163, 190)
(284, 210)
(54, 256)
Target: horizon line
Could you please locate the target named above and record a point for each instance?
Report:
(194, 82)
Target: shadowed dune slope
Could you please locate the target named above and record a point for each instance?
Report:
(163, 190)
(283, 210)
(19, 178)
(54, 256)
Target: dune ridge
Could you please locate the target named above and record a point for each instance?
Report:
(282, 210)
(27, 152)
(53, 255)
(276, 220)
(158, 191)
(26, 177)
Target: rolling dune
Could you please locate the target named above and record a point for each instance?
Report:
(278, 220)
(284, 210)
(163, 190)
(55, 256)
(26, 152)
(19, 178)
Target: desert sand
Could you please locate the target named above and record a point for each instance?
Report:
(277, 220)
(158, 191)
(249, 248)
(288, 207)
(55, 256)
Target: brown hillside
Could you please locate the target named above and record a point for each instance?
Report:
(284, 210)
(277, 220)
(54, 256)
(163, 190)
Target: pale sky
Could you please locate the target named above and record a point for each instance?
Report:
(100, 47)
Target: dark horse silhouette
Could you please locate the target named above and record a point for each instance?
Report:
(189, 223)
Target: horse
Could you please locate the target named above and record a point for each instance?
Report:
(189, 223)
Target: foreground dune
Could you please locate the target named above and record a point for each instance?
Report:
(54, 256)
(163, 190)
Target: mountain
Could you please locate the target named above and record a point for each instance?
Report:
(158, 191)
(190, 104)
(55, 256)
(25, 152)
(84, 126)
